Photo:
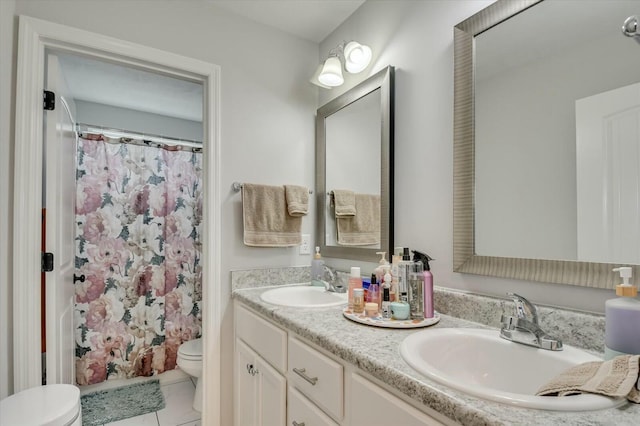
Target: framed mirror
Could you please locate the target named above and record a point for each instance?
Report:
(354, 170)
(546, 182)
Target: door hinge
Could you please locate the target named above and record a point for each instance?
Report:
(49, 100)
(47, 262)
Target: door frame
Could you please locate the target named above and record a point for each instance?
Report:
(34, 37)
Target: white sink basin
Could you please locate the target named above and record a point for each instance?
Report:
(303, 297)
(481, 363)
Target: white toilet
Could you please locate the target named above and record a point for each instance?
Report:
(190, 361)
(50, 405)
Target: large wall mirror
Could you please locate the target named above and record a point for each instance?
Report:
(547, 142)
(354, 170)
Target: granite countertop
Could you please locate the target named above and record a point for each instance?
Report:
(376, 351)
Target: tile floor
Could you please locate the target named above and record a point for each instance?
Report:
(178, 390)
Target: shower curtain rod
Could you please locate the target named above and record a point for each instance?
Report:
(118, 133)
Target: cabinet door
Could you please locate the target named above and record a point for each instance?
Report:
(245, 385)
(272, 391)
(260, 391)
(372, 405)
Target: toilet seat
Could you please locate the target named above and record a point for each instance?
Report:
(191, 350)
(50, 405)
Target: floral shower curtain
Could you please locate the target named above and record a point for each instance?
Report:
(138, 216)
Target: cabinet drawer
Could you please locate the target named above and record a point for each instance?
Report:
(264, 338)
(301, 411)
(317, 376)
(369, 404)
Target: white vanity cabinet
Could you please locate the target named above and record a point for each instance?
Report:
(282, 380)
(260, 387)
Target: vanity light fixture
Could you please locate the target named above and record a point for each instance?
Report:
(355, 56)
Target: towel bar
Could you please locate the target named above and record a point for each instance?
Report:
(237, 186)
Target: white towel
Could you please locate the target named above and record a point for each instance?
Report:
(266, 220)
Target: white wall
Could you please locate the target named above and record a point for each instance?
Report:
(138, 121)
(417, 38)
(7, 92)
(267, 114)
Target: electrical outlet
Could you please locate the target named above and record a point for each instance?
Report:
(305, 244)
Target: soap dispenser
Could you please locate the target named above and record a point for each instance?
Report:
(622, 319)
(317, 269)
(383, 266)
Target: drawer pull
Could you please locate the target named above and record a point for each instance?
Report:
(294, 423)
(302, 373)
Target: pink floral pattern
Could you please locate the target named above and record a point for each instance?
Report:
(138, 216)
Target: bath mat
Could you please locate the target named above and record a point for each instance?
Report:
(120, 403)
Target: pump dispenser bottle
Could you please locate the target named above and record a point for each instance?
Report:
(317, 268)
(383, 266)
(622, 323)
(373, 295)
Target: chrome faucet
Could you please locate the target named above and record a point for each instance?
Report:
(331, 284)
(523, 326)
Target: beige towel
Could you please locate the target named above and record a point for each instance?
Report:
(363, 228)
(617, 377)
(265, 217)
(297, 199)
(345, 202)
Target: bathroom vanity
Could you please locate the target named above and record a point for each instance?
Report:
(282, 378)
(313, 366)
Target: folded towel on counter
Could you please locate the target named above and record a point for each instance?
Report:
(363, 228)
(617, 377)
(344, 202)
(266, 220)
(297, 199)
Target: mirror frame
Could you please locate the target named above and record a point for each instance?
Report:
(465, 260)
(383, 80)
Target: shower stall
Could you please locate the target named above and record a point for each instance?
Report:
(138, 253)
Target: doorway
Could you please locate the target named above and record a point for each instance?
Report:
(36, 37)
(126, 286)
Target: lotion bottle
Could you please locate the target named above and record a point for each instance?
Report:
(355, 281)
(317, 269)
(383, 266)
(622, 319)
